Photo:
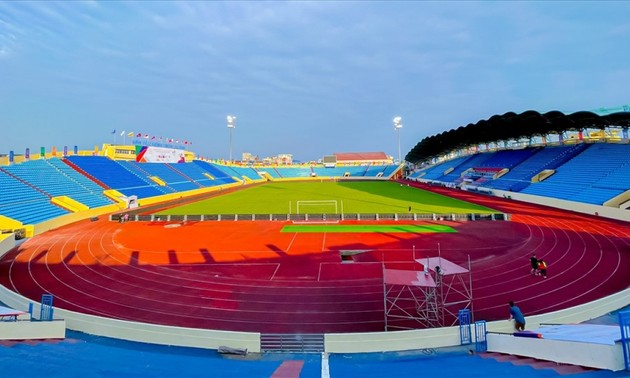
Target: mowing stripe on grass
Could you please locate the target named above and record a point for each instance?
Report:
(356, 228)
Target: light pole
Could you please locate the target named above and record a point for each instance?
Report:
(397, 126)
(231, 124)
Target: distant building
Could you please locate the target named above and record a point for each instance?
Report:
(354, 158)
(247, 157)
(280, 159)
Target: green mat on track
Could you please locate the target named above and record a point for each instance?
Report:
(403, 228)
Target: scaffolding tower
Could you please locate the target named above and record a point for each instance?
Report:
(429, 298)
(454, 288)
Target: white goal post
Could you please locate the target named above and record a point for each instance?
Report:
(323, 206)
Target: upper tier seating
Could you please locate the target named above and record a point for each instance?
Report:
(24, 203)
(55, 178)
(594, 176)
(436, 171)
(339, 171)
(220, 177)
(115, 176)
(507, 158)
(294, 172)
(241, 172)
(390, 169)
(193, 172)
(92, 195)
(374, 170)
(173, 178)
(473, 161)
(520, 176)
(270, 171)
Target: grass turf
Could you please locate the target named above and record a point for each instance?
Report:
(363, 197)
(357, 228)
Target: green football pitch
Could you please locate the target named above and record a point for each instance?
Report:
(326, 197)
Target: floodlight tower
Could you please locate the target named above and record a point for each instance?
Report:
(231, 124)
(397, 126)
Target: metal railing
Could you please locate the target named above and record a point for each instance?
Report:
(313, 217)
(295, 343)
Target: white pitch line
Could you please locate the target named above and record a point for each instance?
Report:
(325, 367)
(274, 272)
(291, 243)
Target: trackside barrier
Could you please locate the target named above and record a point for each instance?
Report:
(296, 343)
(465, 337)
(624, 324)
(481, 342)
(313, 217)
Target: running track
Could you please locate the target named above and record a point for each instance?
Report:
(249, 276)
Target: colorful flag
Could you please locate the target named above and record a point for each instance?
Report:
(114, 131)
(130, 134)
(139, 135)
(122, 133)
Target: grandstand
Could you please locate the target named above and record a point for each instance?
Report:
(583, 173)
(589, 175)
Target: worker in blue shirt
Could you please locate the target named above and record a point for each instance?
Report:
(517, 315)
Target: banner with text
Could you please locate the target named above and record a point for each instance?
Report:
(147, 154)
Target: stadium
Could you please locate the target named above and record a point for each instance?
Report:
(147, 242)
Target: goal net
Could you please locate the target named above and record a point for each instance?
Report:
(317, 207)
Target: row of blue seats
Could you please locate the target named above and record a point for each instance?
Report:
(31, 212)
(598, 172)
(55, 178)
(589, 173)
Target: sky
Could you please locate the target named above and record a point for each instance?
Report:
(307, 78)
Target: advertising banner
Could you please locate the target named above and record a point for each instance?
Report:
(148, 154)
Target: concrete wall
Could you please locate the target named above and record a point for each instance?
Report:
(600, 356)
(28, 330)
(125, 330)
(603, 211)
(7, 242)
(72, 218)
(449, 336)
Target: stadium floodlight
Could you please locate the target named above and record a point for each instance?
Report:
(397, 126)
(231, 124)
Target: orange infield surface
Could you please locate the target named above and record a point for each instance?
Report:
(250, 276)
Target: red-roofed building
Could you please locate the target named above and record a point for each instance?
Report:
(362, 158)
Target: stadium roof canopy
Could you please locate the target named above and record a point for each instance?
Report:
(512, 126)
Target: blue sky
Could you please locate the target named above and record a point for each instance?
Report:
(305, 78)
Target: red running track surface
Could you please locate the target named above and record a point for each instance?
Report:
(249, 276)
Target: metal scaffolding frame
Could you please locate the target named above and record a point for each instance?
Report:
(428, 298)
